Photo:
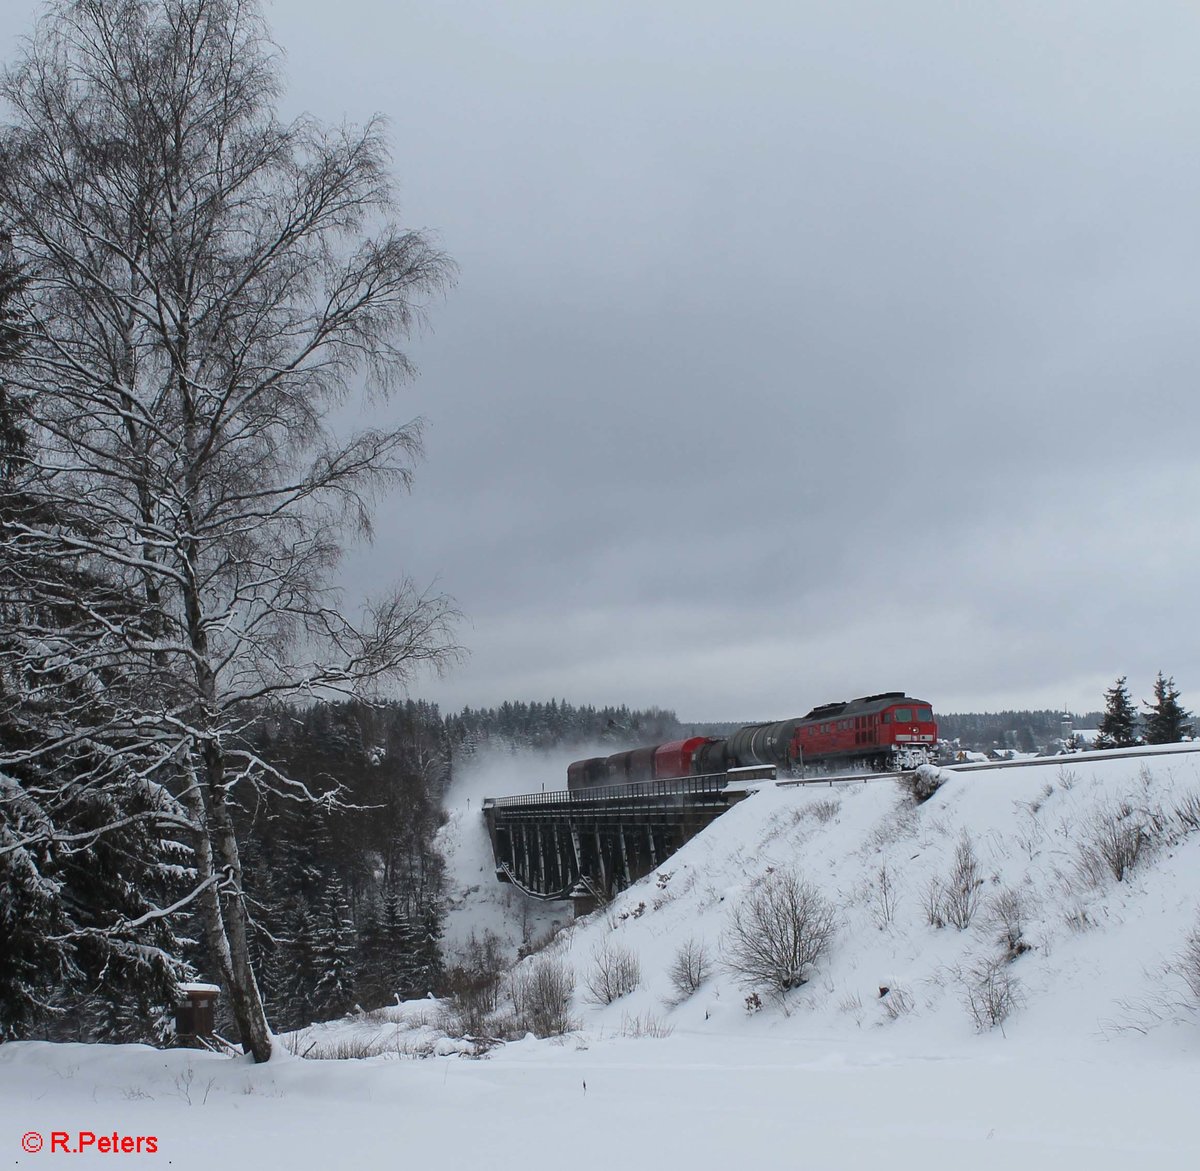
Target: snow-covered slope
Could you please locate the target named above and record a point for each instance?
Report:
(1094, 1067)
(1096, 953)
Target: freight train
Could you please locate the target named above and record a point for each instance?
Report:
(877, 732)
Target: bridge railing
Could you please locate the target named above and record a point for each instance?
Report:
(681, 786)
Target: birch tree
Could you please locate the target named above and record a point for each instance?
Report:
(205, 285)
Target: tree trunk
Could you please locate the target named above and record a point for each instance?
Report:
(234, 971)
(244, 995)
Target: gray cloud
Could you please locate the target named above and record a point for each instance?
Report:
(799, 351)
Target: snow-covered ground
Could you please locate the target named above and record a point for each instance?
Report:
(1094, 1067)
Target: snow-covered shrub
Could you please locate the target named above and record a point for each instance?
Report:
(1031, 835)
(690, 968)
(645, 1026)
(420, 1048)
(662, 900)
(934, 891)
(1007, 913)
(1187, 965)
(922, 783)
(962, 891)
(615, 972)
(896, 1001)
(472, 983)
(1187, 811)
(1077, 918)
(956, 899)
(851, 1002)
(1036, 804)
(903, 822)
(534, 942)
(1115, 838)
(778, 932)
(991, 992)
(349, 1048)
(541, 994)
(822, 811)
(883, 898)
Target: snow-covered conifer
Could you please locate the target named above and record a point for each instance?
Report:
(335, 956)
(1118, 726)
(1167, 722)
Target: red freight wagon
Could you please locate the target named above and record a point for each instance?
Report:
(678, 758)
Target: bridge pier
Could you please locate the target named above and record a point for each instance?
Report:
(617, 834)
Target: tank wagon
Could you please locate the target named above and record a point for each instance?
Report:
(890, 730)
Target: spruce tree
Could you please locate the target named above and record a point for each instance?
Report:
(427, 954)
(399, 934)
(1166, 721)
(1118, 725)
(336, 956)
(371, 979)
(296, 994)
(84, 867)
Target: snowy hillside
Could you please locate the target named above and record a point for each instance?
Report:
(1052, 1028)
(1095, 954)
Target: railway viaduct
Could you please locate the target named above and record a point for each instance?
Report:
(587, 844)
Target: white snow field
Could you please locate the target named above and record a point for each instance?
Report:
(1096, 1065)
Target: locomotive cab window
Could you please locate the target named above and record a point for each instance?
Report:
(886, 717)
(925, 715)
(904, 715)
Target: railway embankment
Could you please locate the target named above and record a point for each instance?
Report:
(1060, 898)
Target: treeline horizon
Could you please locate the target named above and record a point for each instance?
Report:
(559, 723)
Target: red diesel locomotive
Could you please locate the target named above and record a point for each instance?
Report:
(878, 732)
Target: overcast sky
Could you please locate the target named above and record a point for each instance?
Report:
(798, 351)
